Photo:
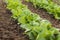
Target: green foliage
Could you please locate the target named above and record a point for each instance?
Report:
(50, 6)
(35, 27)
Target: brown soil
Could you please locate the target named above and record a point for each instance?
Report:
(10, 30)
(57, 1)
(43, 14)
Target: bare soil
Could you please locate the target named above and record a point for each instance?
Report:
(10, 30)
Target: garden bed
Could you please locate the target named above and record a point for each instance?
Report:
(10, 30)
(43, 14)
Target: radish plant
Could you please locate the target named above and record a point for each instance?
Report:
(49, 5)
(35, 27)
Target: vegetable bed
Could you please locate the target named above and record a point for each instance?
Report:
(10, 30)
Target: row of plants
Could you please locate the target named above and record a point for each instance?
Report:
(35, 27)
(49, 5)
